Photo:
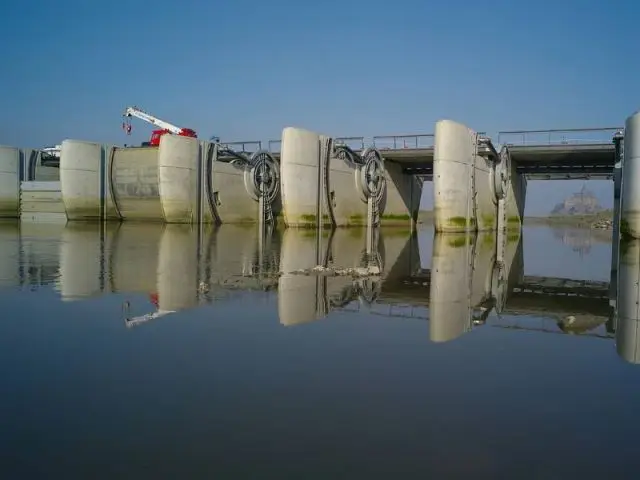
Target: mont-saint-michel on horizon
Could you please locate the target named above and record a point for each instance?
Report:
(581, 207)
(583, 202)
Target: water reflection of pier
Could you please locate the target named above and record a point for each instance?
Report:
(471, 279)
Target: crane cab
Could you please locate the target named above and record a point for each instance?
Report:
(154, 141)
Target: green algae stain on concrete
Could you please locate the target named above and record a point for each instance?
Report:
(624, 228)
(396, 217)
(458, 221)
(488, 220)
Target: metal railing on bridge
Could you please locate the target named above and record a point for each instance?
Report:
(354, 143)
(381, 142)
(249, 146)
(603, 135)
(399, 142)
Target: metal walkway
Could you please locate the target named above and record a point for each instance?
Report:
(579, 153)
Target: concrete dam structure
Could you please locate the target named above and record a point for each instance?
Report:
(184, 180)
(318, 181)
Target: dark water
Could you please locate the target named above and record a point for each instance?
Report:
(148, 351)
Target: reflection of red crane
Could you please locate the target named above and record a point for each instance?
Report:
(155, 299)
(165, 127)
(133, 321)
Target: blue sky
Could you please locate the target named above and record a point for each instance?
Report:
(243, 70)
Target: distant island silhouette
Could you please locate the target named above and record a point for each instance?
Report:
(583, 202)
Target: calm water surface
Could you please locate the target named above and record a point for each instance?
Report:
(149, 351)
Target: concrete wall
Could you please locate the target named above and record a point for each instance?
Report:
(231, 200)
(309, 197)
(463, 198)
(516, 196)
(10, 177)
(347, 206)
(18, 165)
(486, 209)
(179, 178)
(401, 202)
(41, 202)
(133, 176)
(630, 215)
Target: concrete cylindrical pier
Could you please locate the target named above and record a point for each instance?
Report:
(630, 216)
(9, 182)
(453, 178)
(299, 173)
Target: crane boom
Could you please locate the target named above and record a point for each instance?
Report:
(147, 117)
(164, 127)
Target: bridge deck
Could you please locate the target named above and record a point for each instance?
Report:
(535, 161)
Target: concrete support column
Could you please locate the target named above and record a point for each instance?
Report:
(453, 178)
(10, 177)
(630, 217)
(299, 166)
(463, 198)
(179, 179)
